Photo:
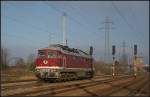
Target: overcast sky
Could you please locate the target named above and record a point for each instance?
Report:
(28, 25)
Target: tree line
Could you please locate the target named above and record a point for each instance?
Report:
(6, 61)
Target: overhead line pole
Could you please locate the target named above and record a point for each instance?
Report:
(107, 28)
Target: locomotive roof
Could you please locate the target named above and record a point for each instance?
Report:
(69, 50)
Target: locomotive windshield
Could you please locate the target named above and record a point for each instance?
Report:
(41, 53)
(51, 55)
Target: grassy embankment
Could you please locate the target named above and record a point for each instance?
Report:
(16, 73)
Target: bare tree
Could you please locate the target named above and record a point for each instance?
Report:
(30, 59)
(101, 67)
(30, 62)
(4, 57)
(20, 62)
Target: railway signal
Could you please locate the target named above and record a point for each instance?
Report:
(135, 63)
(113, 50)
(91, 53)
(135, 49)
(113, 65)
(91, 50)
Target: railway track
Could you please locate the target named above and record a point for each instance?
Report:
(55, 90)
(135, 88)
(17, 81)
(144, 90)
(120, 88)
(8, 86)
(84, 86)
(62, 88)
(8, 89)
(106, 89)
(35, 82)
(46, 87)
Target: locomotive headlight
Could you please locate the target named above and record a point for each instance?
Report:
(37, 70)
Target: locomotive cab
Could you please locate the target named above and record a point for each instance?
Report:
(47, 64)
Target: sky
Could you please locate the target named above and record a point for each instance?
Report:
(27, 26)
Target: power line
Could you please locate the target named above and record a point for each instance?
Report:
(23, 38)
(119, 12)
(133, 15)
(59, 11)
(125, 20)
(107, 28)
(83, 17)
(70, 17)
(124, 56)
(24, 23)
(15, 20)
(50, 40)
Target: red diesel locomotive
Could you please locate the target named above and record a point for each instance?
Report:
(64, 63)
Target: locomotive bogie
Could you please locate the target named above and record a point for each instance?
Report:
(62, 74)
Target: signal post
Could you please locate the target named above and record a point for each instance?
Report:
(134, 62)
(113, 65)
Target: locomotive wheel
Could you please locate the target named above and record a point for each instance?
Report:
(62, 76)
(74, 76)
(58, 80)
(66, 76)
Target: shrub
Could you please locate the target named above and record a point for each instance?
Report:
(3, 66)
(31, 67)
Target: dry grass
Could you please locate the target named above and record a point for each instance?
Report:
(102, 68)
(13, 74)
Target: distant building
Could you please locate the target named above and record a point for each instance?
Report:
(139, 63)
